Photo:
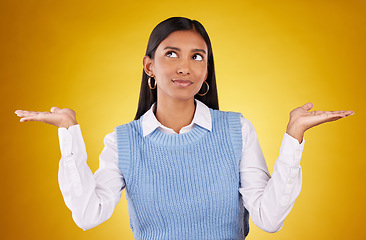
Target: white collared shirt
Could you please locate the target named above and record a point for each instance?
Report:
(202, 117)
(92, 198)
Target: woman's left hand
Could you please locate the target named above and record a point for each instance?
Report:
(301, 119)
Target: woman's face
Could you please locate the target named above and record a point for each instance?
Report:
(179, 65)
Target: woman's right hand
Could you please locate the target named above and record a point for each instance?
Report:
(59, 117)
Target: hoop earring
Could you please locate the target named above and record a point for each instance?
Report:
(149, 83)
(208, 88)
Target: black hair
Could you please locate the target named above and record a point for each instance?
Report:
(160, 32)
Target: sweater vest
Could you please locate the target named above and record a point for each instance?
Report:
(184, 186)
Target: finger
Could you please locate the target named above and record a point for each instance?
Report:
(21, 113)
(307, 106)
(342, 113)
(27, 112)
(332, 116)
(55, 109)
(349, 113)
(336, 112)
(37, 116)
(27, 119)
(18, 113)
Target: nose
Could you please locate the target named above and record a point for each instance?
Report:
(183, 67)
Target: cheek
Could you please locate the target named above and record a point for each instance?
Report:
(201, 71)
(162, 68)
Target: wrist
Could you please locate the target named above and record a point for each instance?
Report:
(68, 123)
(295, 132)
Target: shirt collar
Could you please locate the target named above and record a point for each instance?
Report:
(202, 117)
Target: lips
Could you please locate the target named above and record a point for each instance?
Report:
(182, 83)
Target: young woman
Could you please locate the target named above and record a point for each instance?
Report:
(189, 170)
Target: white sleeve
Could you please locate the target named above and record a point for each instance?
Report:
(91, 198)
(269, 199)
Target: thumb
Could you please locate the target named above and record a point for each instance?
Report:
(54, 109)
(307, 106)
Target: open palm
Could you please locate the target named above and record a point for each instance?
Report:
(59, 117)
(301, 119)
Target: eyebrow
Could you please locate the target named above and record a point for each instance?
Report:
(193, 50)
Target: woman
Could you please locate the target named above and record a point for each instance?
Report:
(190, 171)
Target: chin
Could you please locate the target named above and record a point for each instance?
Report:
(183, 97)
(177, 95)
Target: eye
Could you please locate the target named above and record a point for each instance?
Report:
(171, 54)
(197, 57)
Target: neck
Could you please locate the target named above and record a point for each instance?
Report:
(175, 114)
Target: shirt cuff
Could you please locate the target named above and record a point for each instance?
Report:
(71, 140)
(291, 147)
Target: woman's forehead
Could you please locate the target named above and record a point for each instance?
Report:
(187, 39)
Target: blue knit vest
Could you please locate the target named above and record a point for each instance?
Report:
(184, 186)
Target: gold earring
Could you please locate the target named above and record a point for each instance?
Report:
(149, 83)
(203, 94)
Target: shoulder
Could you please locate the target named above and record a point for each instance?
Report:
(110, 138)
(132, 124)
(219, 114)
(237, 121)
(233, 117)
(245, 122)
(231, 123)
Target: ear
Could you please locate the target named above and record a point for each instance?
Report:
(147, 63)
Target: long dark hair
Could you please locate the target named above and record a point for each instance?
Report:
(161, 31)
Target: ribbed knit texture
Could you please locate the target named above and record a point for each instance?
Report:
(184, 186)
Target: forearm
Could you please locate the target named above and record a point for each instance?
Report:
(273, 203)
(78, 187)
(270, 199)
(91, 198)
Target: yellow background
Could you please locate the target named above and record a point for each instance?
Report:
(270, 56)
